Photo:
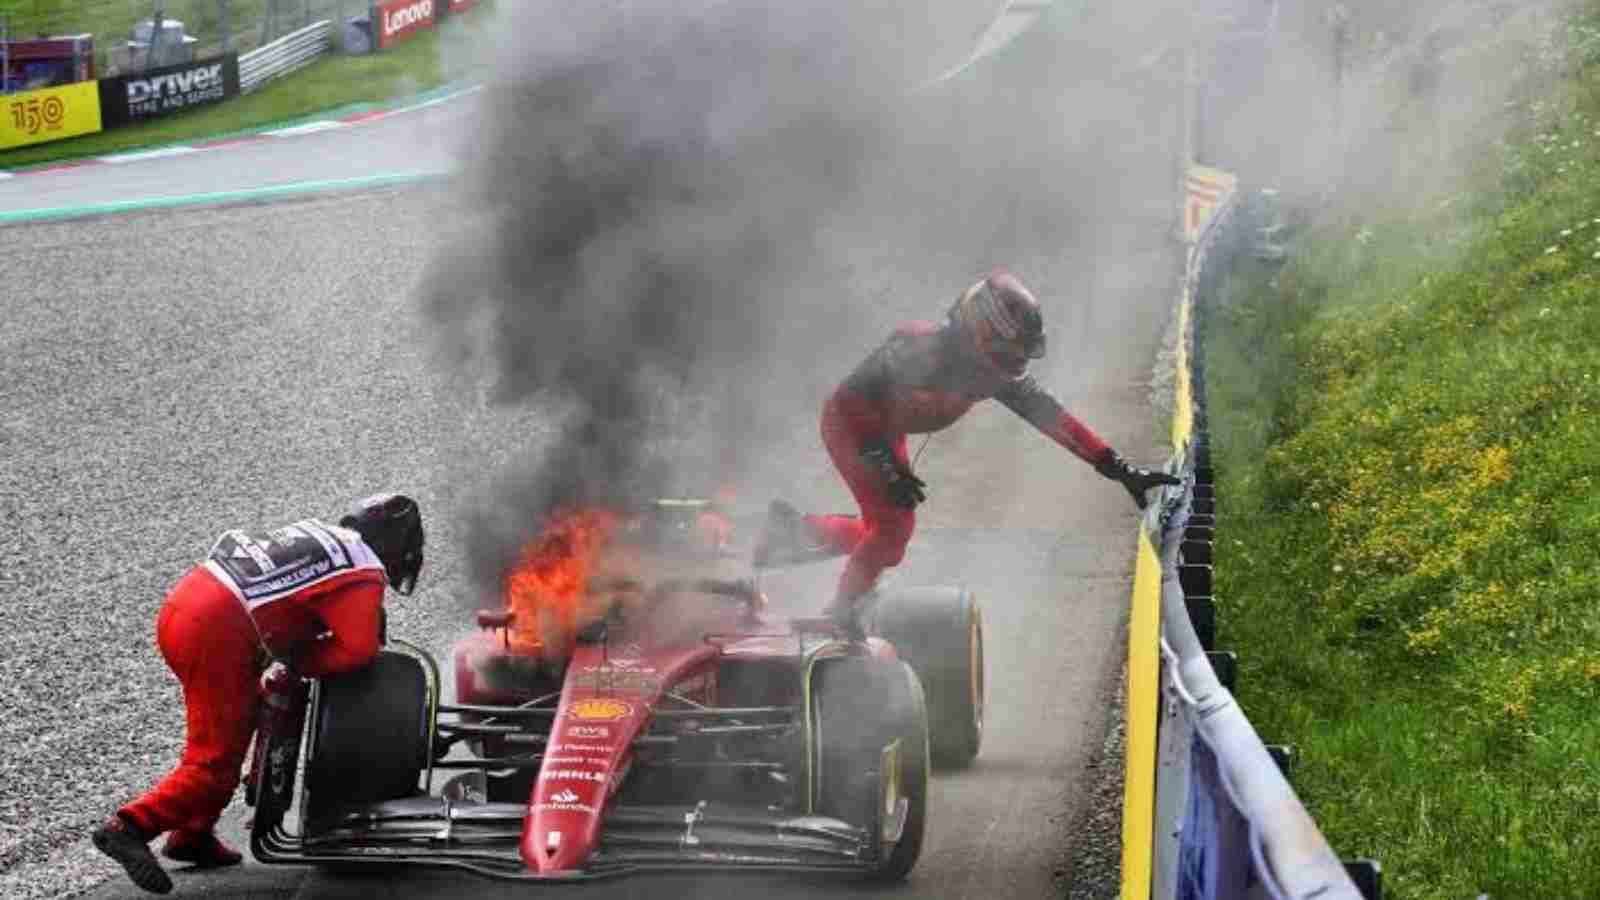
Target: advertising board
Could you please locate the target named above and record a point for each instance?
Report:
(169, 89)
(398, 20)
(49, 114)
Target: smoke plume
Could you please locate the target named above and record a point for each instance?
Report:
(648, 185)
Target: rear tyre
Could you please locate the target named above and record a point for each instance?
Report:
(369, 736)
(869, 730)
(939, 631)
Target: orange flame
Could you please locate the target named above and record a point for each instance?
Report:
(545, 589)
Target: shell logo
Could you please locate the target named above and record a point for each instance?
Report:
(597, 709)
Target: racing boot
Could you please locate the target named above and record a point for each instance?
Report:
(201, 849)
(129, 845)
(783, 538)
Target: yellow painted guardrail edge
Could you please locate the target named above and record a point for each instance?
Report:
(1139, 779)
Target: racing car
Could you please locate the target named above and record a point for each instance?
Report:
(685, 728)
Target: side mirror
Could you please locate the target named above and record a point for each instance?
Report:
(496, 618)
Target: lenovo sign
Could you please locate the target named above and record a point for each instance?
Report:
(399, 19)
(160, 92)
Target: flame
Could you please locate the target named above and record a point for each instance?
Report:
(545, 589)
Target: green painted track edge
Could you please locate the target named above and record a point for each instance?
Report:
(443, 91)
(217, 198)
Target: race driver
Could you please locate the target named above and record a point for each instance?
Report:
(309, 595)
(921, 380)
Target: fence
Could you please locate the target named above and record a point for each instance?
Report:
(206, 28)
(284, 55)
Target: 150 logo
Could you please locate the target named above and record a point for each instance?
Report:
(37, 114)
(49, 114)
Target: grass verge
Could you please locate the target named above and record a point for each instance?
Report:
(432, 58)
(1407, 428)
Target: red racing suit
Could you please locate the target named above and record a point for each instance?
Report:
(308, 592)
(917, 382)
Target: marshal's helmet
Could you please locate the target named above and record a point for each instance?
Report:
(391, 524)
(1000, 322)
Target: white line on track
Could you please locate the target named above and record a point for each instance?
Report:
(120, 158)
(454, 95)
(307, 128)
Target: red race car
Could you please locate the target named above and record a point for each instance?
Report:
(634, 707)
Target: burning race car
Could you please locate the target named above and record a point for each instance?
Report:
(633, 707)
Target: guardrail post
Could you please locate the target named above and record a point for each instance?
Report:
(1195, 580)
(1285, 755)
(1195, 552)
(1203, 615)
(1226, 664)
(1368, 877)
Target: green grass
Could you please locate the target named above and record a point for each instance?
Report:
(423, 62)
(1407, 430)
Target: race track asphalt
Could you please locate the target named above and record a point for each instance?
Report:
(167, 375)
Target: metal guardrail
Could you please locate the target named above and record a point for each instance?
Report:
(1279, 845)
(293, 51)
(1225, 820)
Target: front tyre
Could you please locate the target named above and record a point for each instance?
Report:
(869, 740)
(369, 736)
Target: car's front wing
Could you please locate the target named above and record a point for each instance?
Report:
(484, 837)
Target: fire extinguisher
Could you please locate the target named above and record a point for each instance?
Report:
(275, 755)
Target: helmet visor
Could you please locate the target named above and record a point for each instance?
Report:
(405, 580)
(1033, 345)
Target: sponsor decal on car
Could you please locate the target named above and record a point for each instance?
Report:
(565, 801)
(589, 731)
(616, 680)
(622, 665)
(580, 748)
(572, 775)
(600, 709)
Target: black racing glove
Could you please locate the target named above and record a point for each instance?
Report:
(905, 489)
(1134, 479)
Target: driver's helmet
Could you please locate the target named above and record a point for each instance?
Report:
(1000, 323)
(391, 524)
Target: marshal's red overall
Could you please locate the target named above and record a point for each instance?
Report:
(212, 640)
(309, 595)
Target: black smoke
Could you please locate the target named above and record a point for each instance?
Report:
(649, 184)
